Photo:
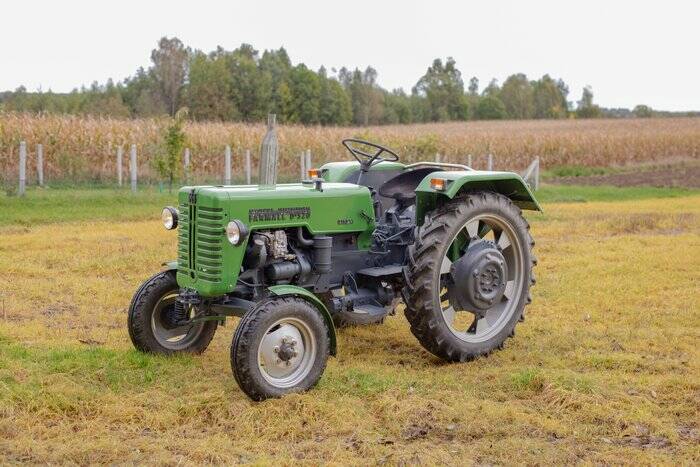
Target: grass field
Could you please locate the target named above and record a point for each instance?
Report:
(605, 369)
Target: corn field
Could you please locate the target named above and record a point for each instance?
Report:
(79, 149)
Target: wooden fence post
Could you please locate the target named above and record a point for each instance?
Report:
(227, 165)
(133, 168)
(22, 167)
(247, 166)
(490, 162)
(308, 161)
(531, 175)
(120, 151)
(302, 165)
(40, 164)
(187, 165)
(469, 160)
(437, 157)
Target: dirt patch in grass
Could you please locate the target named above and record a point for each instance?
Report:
(672, 176)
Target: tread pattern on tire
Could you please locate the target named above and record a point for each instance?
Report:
(139, 317)
(246, 374)
(418, 293)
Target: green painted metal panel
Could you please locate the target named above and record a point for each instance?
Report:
(282, 290)
(339, 171)
(507, 183)
(208, 263)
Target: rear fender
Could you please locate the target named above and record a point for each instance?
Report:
(285, 290)
(506, 183)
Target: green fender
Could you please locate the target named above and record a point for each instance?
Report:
(282, 290)
(506, 183)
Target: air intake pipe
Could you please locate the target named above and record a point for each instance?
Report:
(323, 247)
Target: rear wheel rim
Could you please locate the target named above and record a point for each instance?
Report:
(178, 338)
(468, 325)
(287, 352)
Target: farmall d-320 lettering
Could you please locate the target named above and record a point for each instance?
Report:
(342, 248)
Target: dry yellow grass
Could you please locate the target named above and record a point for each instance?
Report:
(605, 370)
(82, 148)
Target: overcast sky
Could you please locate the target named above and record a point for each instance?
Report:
(630, 52)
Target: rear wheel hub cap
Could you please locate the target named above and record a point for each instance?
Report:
(479, 277)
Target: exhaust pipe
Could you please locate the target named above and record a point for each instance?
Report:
(268, 155)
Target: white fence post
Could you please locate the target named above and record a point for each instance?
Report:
(22, 167)
(302, 165)
(308, 161)
(490, 162)
(437, 157)
(227, 165)
(120, 151)
(469, 160)
(40, 164)
(247, 166)
(133, 168)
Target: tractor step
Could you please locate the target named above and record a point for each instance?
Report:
(369, 309)
(381, 271)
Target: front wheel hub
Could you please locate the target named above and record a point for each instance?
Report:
(479, 277)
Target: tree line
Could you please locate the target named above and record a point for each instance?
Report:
(244, 85)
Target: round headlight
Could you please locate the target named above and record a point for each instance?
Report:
(170, 217)
(236, 231)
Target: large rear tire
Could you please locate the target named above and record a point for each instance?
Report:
(469, 276)
(150, 320)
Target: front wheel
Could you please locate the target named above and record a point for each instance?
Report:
(153, 320)
(280, 346)
(469, 277)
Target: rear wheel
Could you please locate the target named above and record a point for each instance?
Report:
(153, 320)
(469, 277)
(280, 346)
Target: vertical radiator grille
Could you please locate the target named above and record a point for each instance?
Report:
(200, 238)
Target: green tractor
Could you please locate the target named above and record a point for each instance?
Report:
(344, 247)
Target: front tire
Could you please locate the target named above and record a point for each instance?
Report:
(149, 325)
(469, 276)
(280, 346)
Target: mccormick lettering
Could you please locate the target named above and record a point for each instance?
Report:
(281, 214)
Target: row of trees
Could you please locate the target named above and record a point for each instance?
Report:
(244, 85)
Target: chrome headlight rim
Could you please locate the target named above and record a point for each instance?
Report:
(236, 232)
(170, 217)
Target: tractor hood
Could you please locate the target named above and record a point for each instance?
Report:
(208, 263)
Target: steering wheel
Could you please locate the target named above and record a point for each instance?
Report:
(366, 159)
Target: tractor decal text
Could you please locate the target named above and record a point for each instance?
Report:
(281, 214)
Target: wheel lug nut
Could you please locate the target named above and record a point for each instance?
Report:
(287, 363)
(276, 349)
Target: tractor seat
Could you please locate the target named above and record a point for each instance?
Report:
(403, 186)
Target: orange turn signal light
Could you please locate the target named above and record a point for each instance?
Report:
(314, 173)
(438, 184)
